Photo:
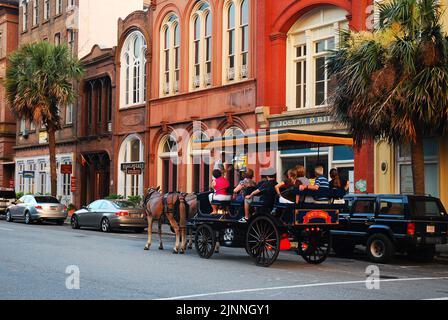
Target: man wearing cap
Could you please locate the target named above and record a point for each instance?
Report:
(265, 186)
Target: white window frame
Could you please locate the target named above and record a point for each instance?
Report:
(203, 79)
(58, 7)
(135, 187)
(239, 71)
(132, 85)
(35, 12)
(25, 14)
(321, 23)
(170, 69)
(69, 114)
(47, 8)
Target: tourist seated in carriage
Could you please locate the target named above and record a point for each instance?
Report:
(245, 187)
(220, 185)
(337, 182)
(321, 184)
(287, 189)
(266, 189)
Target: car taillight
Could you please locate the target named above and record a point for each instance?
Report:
(122, 213)
(38, 207)
(411, 229)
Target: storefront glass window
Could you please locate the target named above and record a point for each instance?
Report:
(405, 179)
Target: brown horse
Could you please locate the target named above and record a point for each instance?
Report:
(156, 205)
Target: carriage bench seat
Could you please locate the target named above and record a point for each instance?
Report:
(221, 203)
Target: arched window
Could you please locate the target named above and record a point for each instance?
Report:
(168, 163)
(133, 70)
(131, 157)
(309, 43)
(233, 132)
(236, 40)
(200, 164)
(170, 55)
(201, 46)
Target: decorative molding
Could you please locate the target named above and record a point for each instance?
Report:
(278, 36)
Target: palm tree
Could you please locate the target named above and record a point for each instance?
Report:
(39, 79)
(392, 83)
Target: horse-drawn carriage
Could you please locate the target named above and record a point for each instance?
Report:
(304, 226)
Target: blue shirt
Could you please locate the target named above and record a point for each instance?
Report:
(322, 182)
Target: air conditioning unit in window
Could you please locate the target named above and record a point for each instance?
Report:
(208, 79)
(230, 74)
(25, 133)
(196, 81)
(109, 127)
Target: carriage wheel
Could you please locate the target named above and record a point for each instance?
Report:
(263, 241)
(315, 246)
(205, 241)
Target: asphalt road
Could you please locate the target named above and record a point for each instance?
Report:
(34, 261)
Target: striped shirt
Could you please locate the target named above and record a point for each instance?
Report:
(322, 182)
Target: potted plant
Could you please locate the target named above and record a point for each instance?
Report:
(71, 209)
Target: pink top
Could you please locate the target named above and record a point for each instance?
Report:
(221, 184)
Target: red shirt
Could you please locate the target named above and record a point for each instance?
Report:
(221, 184)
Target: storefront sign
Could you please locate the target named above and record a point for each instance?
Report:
(73, 184)
(133, 166)
(300, 122)
(28, 174)
(66, 169)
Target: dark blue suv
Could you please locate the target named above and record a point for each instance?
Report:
(386, 224)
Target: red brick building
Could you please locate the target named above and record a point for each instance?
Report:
(293, 41)
(94, 148)
(191, 69)
(189, 79)
(9, 25)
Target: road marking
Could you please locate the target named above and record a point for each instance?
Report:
(436, 299)
(311, 285)
(6, 229)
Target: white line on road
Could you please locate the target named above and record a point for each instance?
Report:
(6, 229)
(437, 299)
(311, 285)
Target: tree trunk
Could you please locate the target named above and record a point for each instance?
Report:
(53, 173)
(418, 165)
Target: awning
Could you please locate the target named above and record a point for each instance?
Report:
(281, 139)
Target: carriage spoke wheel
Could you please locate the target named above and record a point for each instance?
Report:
(315, 246)
(205, 241)
(263, 241)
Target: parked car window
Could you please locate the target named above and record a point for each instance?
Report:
(46, 199)
(124, 204)
(426, 208)
(364, 206)
(349, 202)
(27, 199)
(391, 206)
(107, 205)
(95, 205)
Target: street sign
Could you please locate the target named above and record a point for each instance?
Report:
(66, 169)
(134, 171)
(73, 184)
(28, 174)
(133, 166)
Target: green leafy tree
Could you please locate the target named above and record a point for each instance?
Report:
(392, 83)
(39, 79)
